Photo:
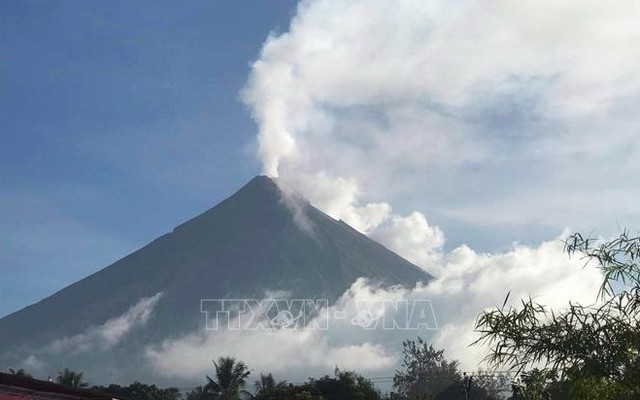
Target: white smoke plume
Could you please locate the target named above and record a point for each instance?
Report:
(363, 102)
(492, 114)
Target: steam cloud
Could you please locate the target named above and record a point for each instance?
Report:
(363, 101)
(528, 106)
(111, 332)
(469, 283)
(94, 339)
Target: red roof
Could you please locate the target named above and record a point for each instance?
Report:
(13, 387)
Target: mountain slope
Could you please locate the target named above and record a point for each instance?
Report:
(249, 243)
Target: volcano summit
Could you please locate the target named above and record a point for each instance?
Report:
(250, 244)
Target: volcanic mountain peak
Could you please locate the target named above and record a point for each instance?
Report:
(250, 243)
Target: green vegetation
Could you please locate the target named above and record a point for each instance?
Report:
(426, 374)
(585, 352)
(19, 372)
(71, 379)
(425, 371)
(230, 378)
(199, 393)
(343, 385)
(267, 383)
(140, 391)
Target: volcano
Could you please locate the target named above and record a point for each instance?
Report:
(259, 239)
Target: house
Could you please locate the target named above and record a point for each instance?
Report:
(14, 387)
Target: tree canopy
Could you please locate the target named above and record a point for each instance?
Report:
(140, 391)
(20, 372)
(594, 349)
(71, 379)
(230, 378)
(425, 371)
(426, 374)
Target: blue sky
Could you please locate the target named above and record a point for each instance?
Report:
(426, 125)
(119, 121)
(467, 136)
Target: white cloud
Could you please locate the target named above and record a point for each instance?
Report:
(414, 239)
(109, 333)
(472, 282)
(294, 352)
(469, 283)
(338, 197)
(492, 113)
(290, 352)
(115, 329)
(33, 364)
(455, 106)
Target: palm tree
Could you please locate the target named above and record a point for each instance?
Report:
(20, 372)
(71, 379)
(230, 377)
(199, 393)
(268, 382)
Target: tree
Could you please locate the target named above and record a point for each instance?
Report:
(539, 385)
(306, 391)
(267, 382)
(71, 379)
(426, 373)
(595, 348)
(493, 385)
(140, 391)
(199, 393)
(343, 385)
(346, 385)
(230, 378)
(20, 372)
